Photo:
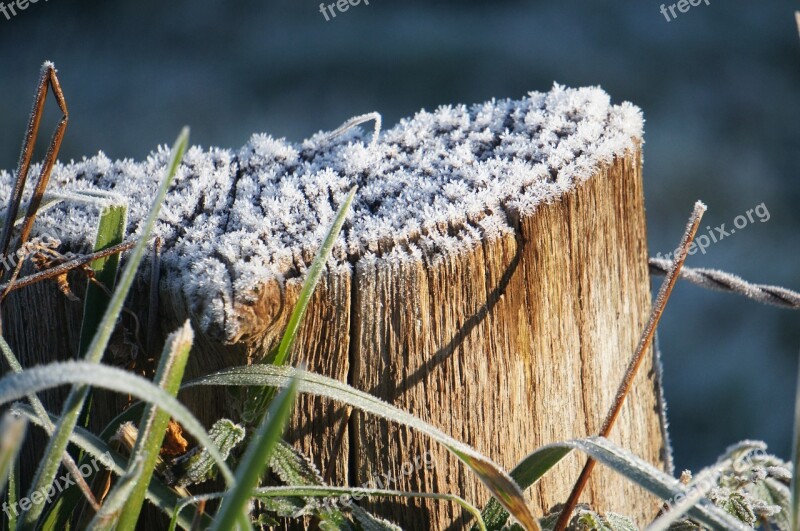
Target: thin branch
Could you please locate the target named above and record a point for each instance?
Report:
(47, 425)
(49, 160)
(50, 79)
(25, 157)
(638, 357)
(47, 79)
(66, 266)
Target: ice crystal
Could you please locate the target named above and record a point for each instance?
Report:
(431, 186)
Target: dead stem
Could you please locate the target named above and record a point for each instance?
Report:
(47, 79)
(198, 515)
(65, 267)
(638, 357)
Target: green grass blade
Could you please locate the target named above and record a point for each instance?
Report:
(795, 508)
(106, 328)
(60, 513)
(154, 423)
(677, 511)
(158, 494)
(12, 432)
(496, 480)
(310, 284)
(110, 232)
(255, 459)
(81, 487)
(640, 472)
(281, 357)
(526, 474)
(244, 523)
(74, 404)
(43, 377)
(106, 518)
(13, 495)
(336, 492)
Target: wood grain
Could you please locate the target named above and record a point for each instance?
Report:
(508, 344)
(516, 344)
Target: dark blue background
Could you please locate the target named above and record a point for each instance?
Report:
(718, 86)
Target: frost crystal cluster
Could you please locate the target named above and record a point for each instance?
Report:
(431, 186)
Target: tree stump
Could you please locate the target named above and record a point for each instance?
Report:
(491, 279)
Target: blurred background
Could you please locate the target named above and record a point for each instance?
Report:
(718, 86)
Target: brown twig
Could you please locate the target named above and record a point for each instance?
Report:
(14, 275)
(25, 157)
(47, 79)
(198, 515)
(636, 361)
(66, 267)
(49, 160)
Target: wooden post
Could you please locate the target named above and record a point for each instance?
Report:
(492, 280)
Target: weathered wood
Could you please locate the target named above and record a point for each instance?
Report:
(514, 345)
(492, 280)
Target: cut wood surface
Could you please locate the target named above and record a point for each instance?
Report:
(491, 279)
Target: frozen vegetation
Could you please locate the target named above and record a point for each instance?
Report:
(429, 186)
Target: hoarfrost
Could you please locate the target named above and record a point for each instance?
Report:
(432, 186)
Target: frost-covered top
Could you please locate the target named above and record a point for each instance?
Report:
(430, 186)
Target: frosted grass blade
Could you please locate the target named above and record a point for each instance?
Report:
(12, 432)
(74, 404)
(640, 472)
(43, 377)
(255, 459)
(493, 477)
(326, 492)
(66, 458)
(153, 425)
(106, 518)
(158, 494)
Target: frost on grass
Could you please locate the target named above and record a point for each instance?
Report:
(431, 186)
